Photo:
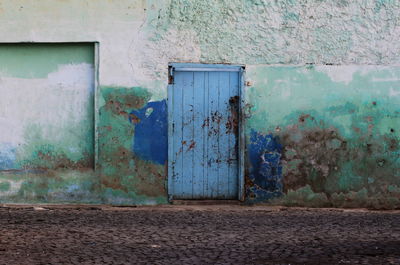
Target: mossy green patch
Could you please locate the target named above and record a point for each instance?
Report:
(56, 186)
(73, 148)
(5, 186)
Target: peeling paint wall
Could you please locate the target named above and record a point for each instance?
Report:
(46, 101)
(317, 134)
(337, 140)
(46, 121)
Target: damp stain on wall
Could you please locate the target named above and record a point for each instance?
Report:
(338, 136)
(128, 176)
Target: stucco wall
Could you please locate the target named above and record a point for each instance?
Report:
(333, 131)
(138, 38)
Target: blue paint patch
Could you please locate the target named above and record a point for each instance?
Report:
(73, 188)
(151, 132)
(7, 156)
(265, 153)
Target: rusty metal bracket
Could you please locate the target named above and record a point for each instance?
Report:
(170, 75)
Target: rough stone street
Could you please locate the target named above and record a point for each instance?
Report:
(197, 235)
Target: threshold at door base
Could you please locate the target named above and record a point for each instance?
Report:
(206, 202)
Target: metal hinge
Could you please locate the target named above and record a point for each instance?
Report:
(170, 75)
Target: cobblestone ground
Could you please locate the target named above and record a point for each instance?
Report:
(197, 235)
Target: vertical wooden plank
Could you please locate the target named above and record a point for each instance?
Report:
(241, 137)
(198, 122)
(177, 135)
(171, 157)
(233, 135)
(223, 137)
(205, 130)
(213, 135)
(188, 141)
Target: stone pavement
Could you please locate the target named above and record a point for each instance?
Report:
(197, 235)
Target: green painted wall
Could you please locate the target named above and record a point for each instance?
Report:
(339, 131)
(27, 60)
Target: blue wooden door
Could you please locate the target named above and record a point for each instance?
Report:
(203, 136)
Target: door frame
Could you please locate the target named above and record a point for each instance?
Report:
(197, 67)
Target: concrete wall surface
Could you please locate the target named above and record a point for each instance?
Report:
(321, 104)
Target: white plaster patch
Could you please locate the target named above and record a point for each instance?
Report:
(394, 79)
(152, 58)
(15, 186)
(252, 76)
(394, 92)
(56, 106)
(339, 73)
(345, 73)
(73, 76)
(10, 132)
(283, 88)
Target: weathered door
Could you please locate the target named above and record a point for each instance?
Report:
(203, 132)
